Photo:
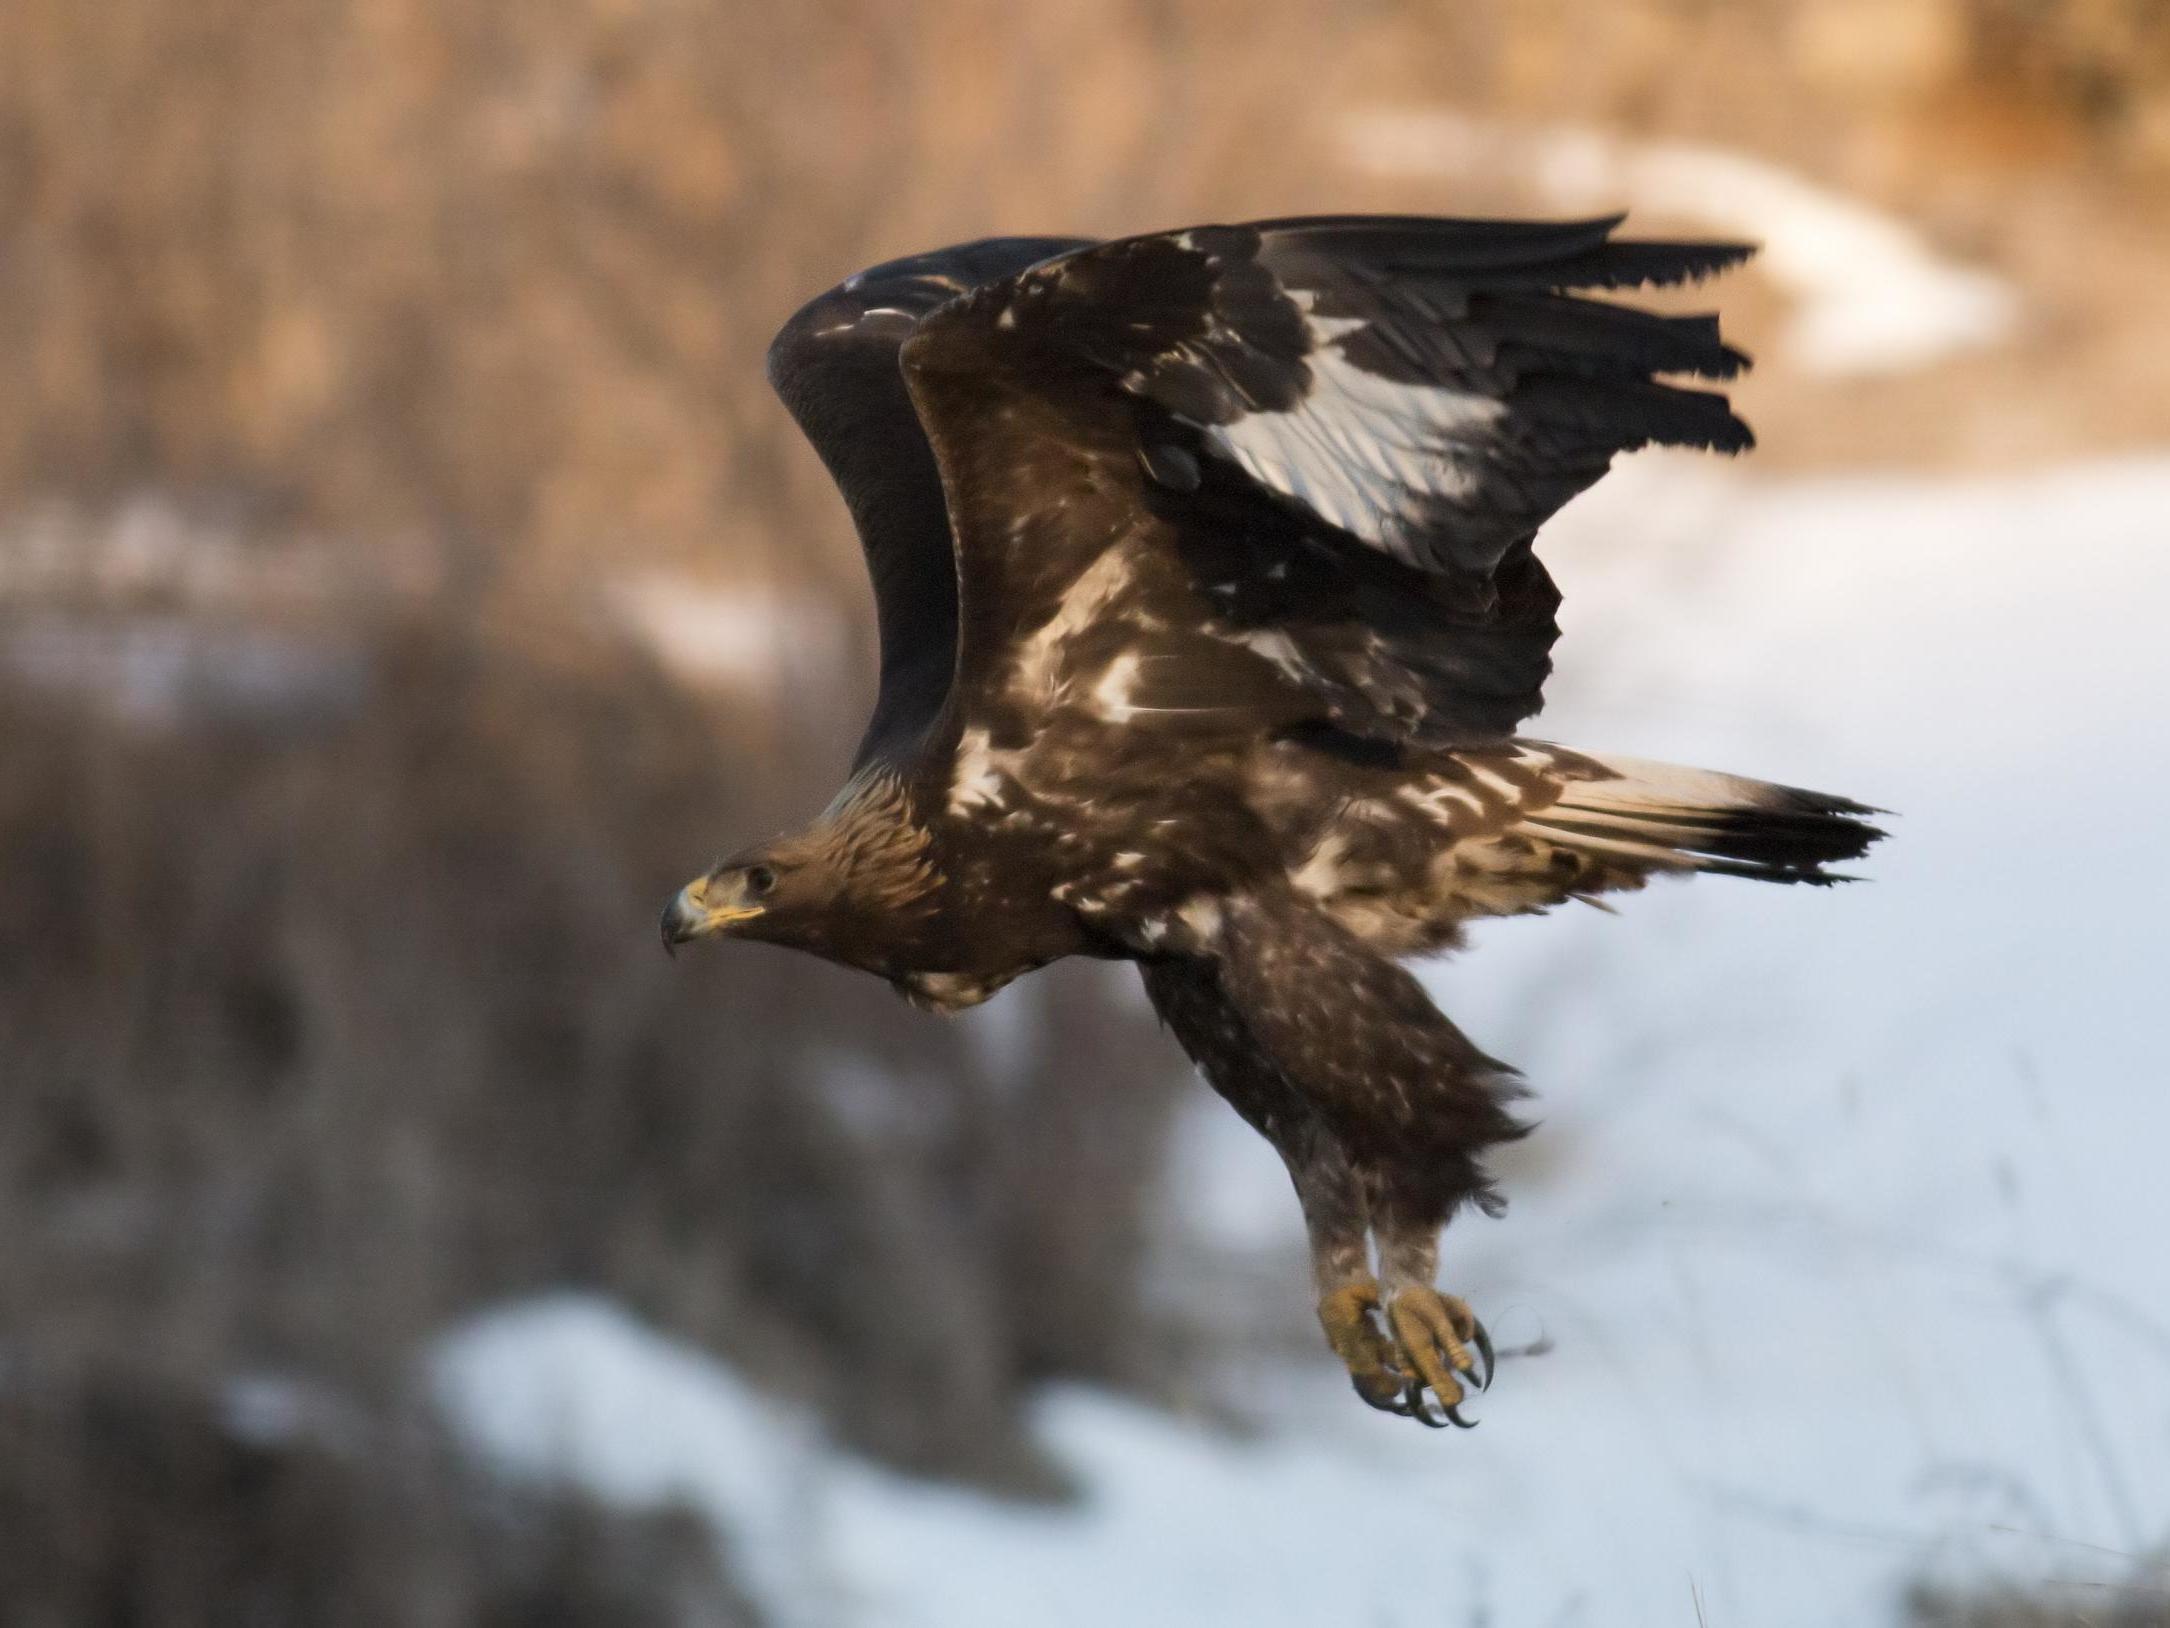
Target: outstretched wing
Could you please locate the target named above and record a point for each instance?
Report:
(835, 366)
(1242, 471)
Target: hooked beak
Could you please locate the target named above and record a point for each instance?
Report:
(691, 914)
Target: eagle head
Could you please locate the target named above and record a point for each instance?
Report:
(848, 888)
(740, 896)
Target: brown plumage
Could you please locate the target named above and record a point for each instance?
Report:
(1208, 610)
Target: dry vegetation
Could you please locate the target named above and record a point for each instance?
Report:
(503, 273)
(314, 1043)
(320, 1029)
(136, 1506)
(2139, 1600)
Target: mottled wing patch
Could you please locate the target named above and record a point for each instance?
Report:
(1341, 432)
(1364, 455)
(1423, 847)
(1427, 387)
(1428, 846)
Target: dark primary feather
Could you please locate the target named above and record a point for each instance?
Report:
(1423, 385)
(1348, 428)
(834, 364)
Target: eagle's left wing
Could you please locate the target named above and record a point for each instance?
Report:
(834, 365)
(1250, 470)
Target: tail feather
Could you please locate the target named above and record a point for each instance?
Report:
(1660, 817)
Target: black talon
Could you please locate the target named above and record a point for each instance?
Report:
(1396, 1404)
(1465, 1424)
(1417, 1409)
(1491, 1358)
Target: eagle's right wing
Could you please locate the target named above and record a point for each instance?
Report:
(1294, 468)
(834, 364)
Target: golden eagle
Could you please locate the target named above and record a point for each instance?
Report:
(1208, 611)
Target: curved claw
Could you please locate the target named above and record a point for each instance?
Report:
(1491, 1358)
(1465, 1424)
(1420, 1410)
(1395, 1402)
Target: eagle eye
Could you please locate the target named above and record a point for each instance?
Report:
(759, 879)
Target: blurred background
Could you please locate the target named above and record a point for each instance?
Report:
(406, 580)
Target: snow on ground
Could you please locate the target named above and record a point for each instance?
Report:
(762, 640)
(1845, 1222)
(145, 548)
(160, 670)
(568, 1387)
(1872, 297)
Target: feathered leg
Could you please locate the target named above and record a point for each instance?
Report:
(1188, 996)
(1412, 1101)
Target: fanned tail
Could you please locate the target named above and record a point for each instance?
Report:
(1643, 816)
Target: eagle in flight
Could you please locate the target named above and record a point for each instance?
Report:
(1209, 611)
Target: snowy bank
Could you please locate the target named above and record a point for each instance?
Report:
(1845, 1221)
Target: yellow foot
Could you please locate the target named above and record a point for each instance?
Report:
(1350, 1316)
(1433, 1334)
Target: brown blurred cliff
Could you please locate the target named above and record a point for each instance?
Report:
(503, 274)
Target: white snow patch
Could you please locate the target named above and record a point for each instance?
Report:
(742, 637)
(1873, 297)
(1844, 1223)
(283, 1410)
(163, 670)
(147, 549)
(1845, 1212)
(571, 1389)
